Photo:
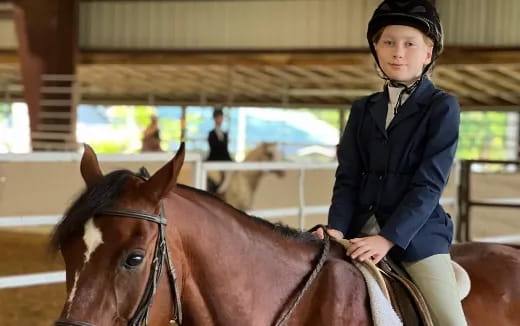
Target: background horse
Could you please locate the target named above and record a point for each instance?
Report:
(229, 268)
(240, 187)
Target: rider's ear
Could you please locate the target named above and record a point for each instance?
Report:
(165, 179)
(89, 166)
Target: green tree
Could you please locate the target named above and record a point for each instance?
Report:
(483, 135)
(331, 116)
(5, 111)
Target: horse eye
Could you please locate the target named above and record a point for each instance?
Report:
(133, 261)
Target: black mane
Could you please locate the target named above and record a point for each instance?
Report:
(103, 194)
(285, 230)
(97, 197)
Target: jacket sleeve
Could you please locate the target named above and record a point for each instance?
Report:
(348, 174)
(431, 177)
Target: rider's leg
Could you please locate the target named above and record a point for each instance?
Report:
(435, 278)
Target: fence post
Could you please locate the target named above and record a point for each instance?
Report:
(301, 199)
(463, 202)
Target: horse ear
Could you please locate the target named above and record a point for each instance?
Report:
(89, 166)
(165, 179)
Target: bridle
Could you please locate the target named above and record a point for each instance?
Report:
(161, 254)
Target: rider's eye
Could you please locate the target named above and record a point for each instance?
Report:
(133, 260)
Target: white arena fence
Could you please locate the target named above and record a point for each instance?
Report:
(200, 171)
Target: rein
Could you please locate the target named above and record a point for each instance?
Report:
(282, 320)
(162, 254)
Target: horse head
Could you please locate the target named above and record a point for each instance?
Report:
(266, 152)
(117, 226)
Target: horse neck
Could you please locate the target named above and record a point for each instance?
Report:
(253, 177)
(229, 252)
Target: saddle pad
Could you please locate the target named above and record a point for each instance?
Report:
(383, 313)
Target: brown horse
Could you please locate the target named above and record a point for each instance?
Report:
(227, 268)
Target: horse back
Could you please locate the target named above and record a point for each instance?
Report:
(494, 270)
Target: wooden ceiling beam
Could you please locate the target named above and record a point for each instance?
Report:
(480, 87)
(275, 57)
(316, 78)
(459, 90)
(345, 78)
(249, 87)
(509, 72)
(250, 75)
(488, 75)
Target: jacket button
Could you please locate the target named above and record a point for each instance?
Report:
(380, 177)
(370, 207)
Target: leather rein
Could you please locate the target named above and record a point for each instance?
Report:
(162, 253)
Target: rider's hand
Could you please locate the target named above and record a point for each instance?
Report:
(374, 247)
(333, 233)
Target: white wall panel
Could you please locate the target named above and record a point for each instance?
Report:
(270, 24)
(481, 22)
(225, 24)
(8, 38)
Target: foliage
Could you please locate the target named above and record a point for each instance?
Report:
(483, 135)
(109, 147)
(5, 111)
(121, 117)
(331, 116)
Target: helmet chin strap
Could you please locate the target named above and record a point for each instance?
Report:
(406, 89)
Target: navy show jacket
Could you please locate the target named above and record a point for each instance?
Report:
(218, 149)
(398, 173)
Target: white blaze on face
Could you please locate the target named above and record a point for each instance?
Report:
(93, 238)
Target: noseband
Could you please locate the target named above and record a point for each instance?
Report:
(161, 254)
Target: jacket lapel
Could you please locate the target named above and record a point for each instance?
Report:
(415, 103)
(378, 110)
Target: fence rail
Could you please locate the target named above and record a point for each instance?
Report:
(465, 202)
(199, 178)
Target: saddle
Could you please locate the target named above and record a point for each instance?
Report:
(406, 299)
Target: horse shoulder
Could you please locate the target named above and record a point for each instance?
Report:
(341, 294)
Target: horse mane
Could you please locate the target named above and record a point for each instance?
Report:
(95, 198)
(103, 194)
(285, 230)
(254, 154)
(257, 153)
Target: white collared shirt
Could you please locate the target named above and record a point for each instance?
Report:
(393, 96)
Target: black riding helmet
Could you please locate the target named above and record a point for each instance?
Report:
(420, 14)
